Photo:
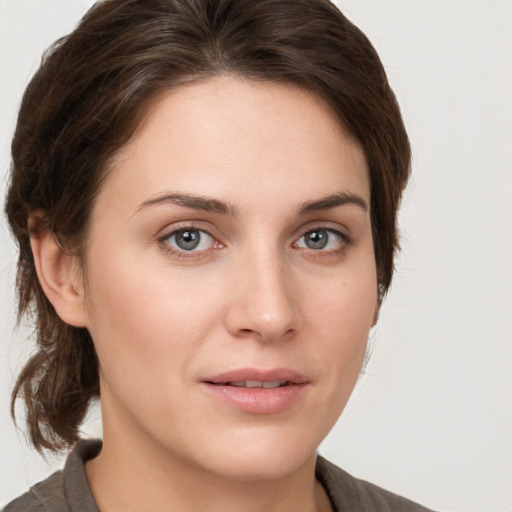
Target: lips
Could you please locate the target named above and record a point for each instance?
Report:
(257, 384)
(257, 391)
(253, 375)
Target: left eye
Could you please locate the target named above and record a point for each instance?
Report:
(189, 240)
(321, 239)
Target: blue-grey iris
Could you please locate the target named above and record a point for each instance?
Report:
(316, 239)
(188, 239)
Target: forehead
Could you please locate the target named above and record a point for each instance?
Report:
(225, 133)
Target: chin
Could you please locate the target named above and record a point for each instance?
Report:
(264, 467)
(262, 456)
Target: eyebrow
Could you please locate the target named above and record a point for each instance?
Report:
(190, 201)
(333, 201)
(195, 202)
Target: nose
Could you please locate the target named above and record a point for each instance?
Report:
(264, 304)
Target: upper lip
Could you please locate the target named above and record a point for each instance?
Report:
(258, 374)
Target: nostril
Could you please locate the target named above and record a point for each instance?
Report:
(251, 333)
(265, 335)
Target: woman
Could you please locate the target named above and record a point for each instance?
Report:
(204, 194)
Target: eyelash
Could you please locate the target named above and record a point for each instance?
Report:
(182, 253)
(344, 240)
(163, 241)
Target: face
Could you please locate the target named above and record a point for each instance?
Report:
(231, 279)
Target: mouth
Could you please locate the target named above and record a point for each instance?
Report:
(258, 391)
(253, 384)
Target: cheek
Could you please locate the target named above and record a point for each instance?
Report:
(143, 337)
(341, 317)
(347, 301)
(146, 317)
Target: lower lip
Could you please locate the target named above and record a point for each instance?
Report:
(258, 400)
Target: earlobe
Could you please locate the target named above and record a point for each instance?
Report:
(58, 276)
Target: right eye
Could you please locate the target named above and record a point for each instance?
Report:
(189, 240)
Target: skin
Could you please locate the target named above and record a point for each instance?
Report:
(253, 295)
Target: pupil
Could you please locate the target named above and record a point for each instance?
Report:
(187, 240)
(316, 239)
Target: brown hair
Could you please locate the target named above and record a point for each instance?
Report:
(85, 101)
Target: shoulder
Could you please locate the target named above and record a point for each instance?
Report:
(349, 493)
(42, 497)
(65, 490)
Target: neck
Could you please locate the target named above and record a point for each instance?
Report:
(143, 477)
(136, 470)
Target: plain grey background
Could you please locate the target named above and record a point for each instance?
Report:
(431, 417)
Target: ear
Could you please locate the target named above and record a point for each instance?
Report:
(58, 275)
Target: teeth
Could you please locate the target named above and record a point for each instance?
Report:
(257, 384)
(253, 384)
(273, 384)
